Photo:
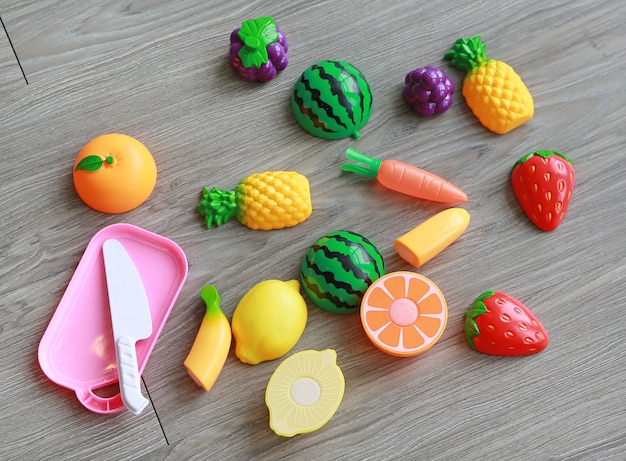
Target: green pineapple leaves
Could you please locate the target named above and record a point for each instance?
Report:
(467, 53)
(217, 206)
(257, 34)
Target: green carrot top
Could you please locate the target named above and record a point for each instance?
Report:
(372, 164)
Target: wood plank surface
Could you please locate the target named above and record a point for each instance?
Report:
(158, 71)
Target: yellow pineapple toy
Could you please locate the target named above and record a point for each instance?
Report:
(269, 200)
(493, 90)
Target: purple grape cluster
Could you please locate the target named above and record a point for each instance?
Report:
(428, 90)
(276, 51)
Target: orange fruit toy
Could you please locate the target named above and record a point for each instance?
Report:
(114, 173)
(403, 313)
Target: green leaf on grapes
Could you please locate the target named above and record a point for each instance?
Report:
(90, 163)
(256, 35)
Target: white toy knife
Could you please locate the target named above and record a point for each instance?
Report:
(131, 319)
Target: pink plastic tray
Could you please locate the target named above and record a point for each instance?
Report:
(77, 349)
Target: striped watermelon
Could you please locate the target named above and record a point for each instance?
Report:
(332, 100)
(337, 270)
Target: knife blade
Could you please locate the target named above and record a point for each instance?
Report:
(130, 317)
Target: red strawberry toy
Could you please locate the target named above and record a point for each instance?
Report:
(543, 183)
(499, 324)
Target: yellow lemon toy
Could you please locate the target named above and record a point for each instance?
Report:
(268, 321)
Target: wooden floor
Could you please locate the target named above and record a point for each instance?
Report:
(158, 71)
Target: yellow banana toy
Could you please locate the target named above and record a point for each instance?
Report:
(210, 348)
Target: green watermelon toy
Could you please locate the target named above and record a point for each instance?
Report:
(332, 100)
(337, 270)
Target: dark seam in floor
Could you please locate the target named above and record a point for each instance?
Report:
(13, 48)
(155, 412)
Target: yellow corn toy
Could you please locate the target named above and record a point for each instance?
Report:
(269, 200)
(210, 348)
(492, 89)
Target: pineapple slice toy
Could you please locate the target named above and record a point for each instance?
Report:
(493, 90)
(269, 200)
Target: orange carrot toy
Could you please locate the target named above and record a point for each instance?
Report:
(405, 178)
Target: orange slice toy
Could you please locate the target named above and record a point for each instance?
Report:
(404, 313)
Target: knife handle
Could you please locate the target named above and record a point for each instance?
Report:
(128, 373)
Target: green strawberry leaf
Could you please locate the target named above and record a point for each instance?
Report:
(90, 163)
(485, 295)
(477, 309)
(256, 35)
(540, 153)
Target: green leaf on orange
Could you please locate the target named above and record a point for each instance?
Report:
(90, 163)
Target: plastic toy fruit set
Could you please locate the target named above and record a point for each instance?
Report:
(305, 390)
(402, 313)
